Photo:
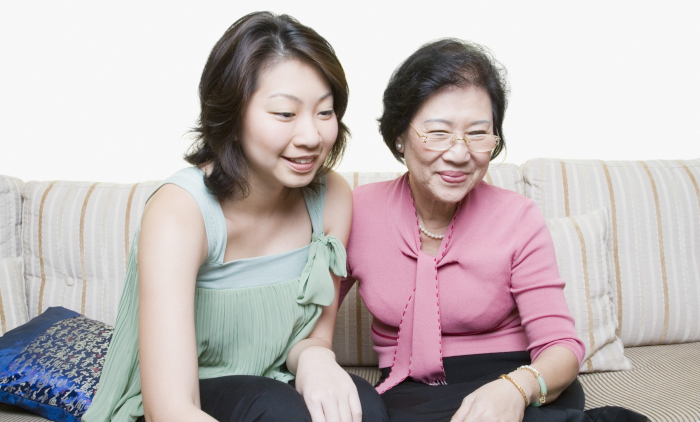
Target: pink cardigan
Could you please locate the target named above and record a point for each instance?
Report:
(498, 287)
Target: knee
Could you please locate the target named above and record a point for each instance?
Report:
(257, 399)
(373, 409)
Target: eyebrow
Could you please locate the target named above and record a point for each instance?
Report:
(297, 99)
(478, 122)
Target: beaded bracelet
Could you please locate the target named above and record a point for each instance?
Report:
(506, 377)
(540, 380)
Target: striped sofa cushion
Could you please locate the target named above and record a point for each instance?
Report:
(655, 207)
(583, 245)
(76, 237)
(352, 341)
(10, 217)
(664, 384)
(13, 300)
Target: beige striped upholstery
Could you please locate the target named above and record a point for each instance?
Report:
(655, 207)
(13, 300)
(664, 384)
(10, 217)
(76, 236)
(10, 413)
(352, 341)
(583, 246)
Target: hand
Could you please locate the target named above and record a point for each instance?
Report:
(497, 401)
(329, 392)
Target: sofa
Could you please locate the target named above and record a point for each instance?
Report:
(65, 243)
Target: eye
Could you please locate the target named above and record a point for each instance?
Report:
(477, 132)
(284, 115)
(327, 113)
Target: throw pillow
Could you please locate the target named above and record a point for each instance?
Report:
(52, 365)
(13, 300)
(583, 247)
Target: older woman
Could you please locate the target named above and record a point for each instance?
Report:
(470, 321)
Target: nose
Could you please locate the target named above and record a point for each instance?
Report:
(307, 134)
(458, 153)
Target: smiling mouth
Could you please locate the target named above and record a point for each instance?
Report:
(301, 164)
(453, 176)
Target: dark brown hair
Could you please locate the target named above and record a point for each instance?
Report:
(229, 80)
(436, 66)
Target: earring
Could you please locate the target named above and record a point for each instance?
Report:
(399, 147)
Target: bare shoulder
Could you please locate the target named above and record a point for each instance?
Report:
(337, 214)
(172, 215)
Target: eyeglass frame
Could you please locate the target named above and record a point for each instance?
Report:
(424, 139)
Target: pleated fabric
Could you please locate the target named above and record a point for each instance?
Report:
(239, 331)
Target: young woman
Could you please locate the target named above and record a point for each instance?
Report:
(229, 304)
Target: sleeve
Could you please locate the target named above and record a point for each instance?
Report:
(537, 288)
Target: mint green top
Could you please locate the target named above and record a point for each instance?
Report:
(248, 312)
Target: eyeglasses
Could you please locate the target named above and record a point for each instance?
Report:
(442, 141)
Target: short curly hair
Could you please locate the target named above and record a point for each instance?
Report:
(434, 67)
(229, 80)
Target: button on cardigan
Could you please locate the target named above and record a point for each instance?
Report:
(495, 284)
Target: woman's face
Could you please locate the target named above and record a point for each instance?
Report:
(448, 176)
(289, 125)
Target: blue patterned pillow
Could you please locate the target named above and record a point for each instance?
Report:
(51, 365)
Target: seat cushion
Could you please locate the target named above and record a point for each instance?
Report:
(664, 384)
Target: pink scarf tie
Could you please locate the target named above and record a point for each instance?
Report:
(418, 352)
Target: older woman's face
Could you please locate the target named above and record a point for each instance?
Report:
(448, 176)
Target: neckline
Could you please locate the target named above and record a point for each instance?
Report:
(220, 260)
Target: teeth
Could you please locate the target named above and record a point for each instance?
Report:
(303, 161)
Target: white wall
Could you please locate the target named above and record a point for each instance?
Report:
(107, 90)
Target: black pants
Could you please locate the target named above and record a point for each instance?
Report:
(412, 401)
(245, 398)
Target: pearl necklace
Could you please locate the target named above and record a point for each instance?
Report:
(431, 235)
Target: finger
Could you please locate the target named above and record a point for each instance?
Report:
(330, 411)
(316, 411)
(463, 410)
(355, 407)
(344, 410)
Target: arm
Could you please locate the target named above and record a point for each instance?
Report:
(555, 348)
(328, 390)
(172, 246)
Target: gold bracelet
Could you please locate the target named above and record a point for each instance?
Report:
(506, 377)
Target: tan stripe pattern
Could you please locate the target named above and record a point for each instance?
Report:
(84, 243)
(581, 244)
(616, 251)
(41, 246)
(664, 384)
(662, 255)
(655, 237)
(587, 290)
(565, 185)
(83, 264)
(127, 220)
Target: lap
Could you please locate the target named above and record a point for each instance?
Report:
(243, 398)
(412, 401)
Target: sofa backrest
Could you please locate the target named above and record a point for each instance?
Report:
(655, 208)
(76, 237)
(10, 217)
